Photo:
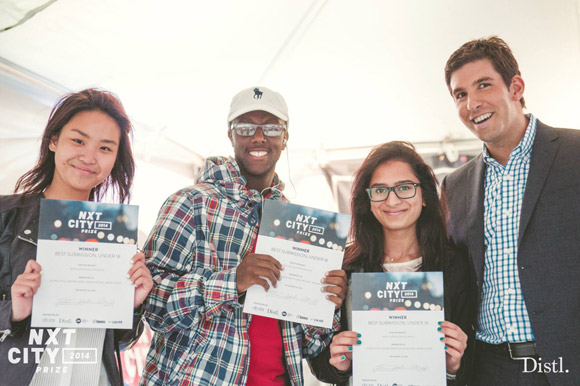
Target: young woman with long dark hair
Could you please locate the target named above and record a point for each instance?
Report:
(398, 225)
(85, 153)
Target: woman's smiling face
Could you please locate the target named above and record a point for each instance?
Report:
(394, 213)
(84, 153)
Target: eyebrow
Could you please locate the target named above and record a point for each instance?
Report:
(379, 184)
(484, 79)
(85, 135)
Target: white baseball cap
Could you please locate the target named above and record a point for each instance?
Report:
(258, 98)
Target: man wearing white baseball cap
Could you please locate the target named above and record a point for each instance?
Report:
(201, 256)
(257, 151)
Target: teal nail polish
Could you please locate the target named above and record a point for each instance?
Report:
(358, 335)
(445, 347)
(342, 358)
(350, 348)
(441, 338)
(439, 323)
(358, 342)
(438, 328)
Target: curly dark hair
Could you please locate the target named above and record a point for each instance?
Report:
(366, 251)
(120, 180)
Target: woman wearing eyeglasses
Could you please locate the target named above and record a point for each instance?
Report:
(398, 225)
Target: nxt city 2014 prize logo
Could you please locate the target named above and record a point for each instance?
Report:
(396, 292)
(57, 353)
(89, 222)
(304, 225)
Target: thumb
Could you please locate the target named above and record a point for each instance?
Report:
(32, 267)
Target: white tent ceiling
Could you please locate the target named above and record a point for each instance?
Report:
(353, 73)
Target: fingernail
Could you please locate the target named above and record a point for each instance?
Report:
(445, 347)
(128, 276)
(358, 342)
(438, 328)
(322, 280)
(441, 338)
(342, 358)
(358, 335)
(439, 323)
(325, 273)
(131, 261)
(350, 348)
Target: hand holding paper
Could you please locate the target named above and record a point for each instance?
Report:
(341, 349)
(456, 341)
(141, 278)
(337, 286)
(254, 268)
(23, 290)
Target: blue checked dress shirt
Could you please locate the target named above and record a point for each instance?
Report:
(503, 316)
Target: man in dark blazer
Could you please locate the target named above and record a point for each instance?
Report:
(515, 211)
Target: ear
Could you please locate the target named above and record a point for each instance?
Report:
(285, 140)
(231, 137)
(517, 88)
(52, 143)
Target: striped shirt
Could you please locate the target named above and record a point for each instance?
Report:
(201, 333)
(503, 316)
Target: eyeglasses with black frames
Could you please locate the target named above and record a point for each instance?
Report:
(403, 191)
(249, 129)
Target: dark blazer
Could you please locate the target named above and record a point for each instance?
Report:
(548, 243)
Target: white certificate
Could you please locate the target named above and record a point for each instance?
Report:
(84, 249)
(397, 315)
(308, 243)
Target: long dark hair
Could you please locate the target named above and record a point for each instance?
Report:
(120, 180)
(366, 252)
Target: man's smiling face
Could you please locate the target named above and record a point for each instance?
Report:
(257, 155)
(488, 107)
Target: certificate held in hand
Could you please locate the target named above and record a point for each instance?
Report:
(84, 249)
(308, 242)
(397, 314)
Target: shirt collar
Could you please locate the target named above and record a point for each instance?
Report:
(524, 148)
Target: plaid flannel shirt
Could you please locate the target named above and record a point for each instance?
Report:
(201, 334)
